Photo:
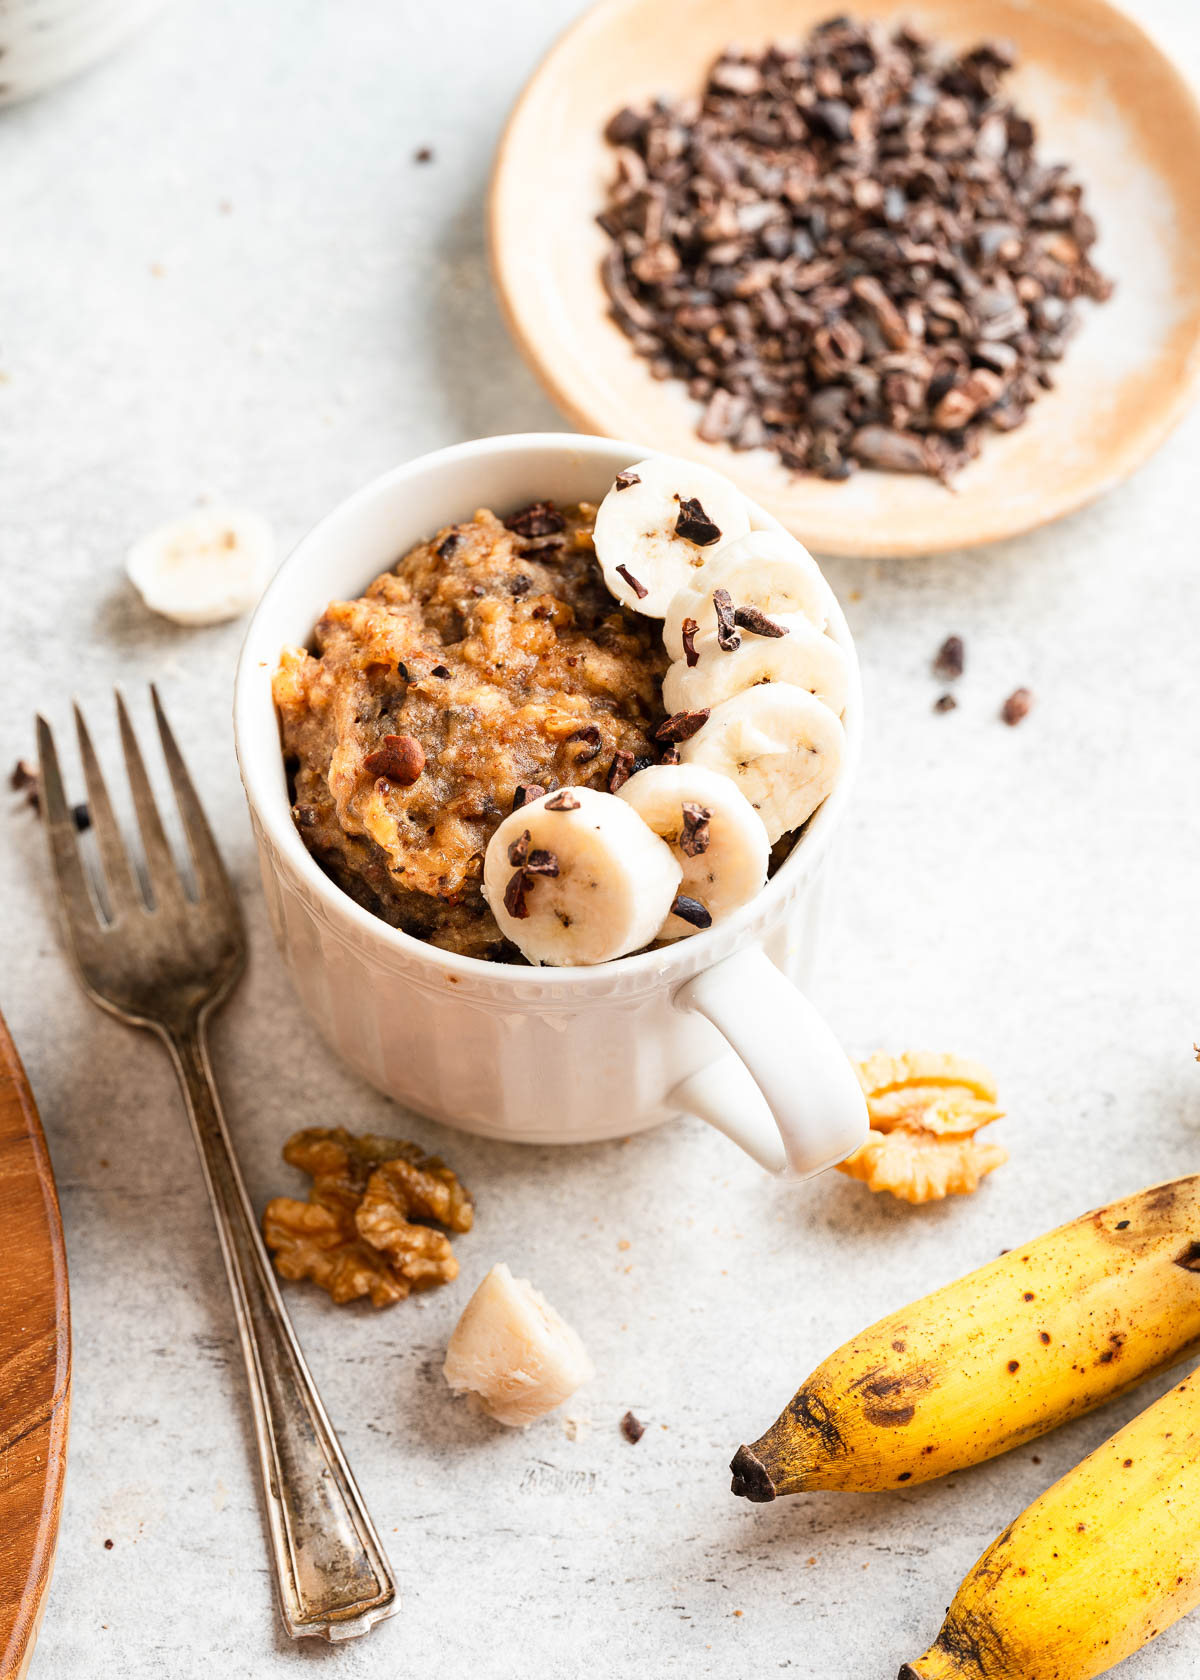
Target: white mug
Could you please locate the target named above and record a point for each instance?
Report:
(713, 1025)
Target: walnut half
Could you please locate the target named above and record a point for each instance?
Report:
(367, 1227)
(925, 1109)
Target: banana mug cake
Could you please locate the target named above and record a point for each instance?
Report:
(563, 735)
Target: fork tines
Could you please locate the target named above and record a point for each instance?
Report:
(123, 890)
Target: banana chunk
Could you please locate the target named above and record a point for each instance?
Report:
(714, 833)
(780, 746)
(803, 656)
(661, 520)
(205, 568)
(765, 569)
(577, 877)
(513, 1352)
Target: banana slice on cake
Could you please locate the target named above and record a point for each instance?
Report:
(659, 522)
(765, 570)
(780, 745)
(577, 877)
(210, 566)
(715, 835)
(802, 655)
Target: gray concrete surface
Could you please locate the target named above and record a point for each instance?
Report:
(224, 275)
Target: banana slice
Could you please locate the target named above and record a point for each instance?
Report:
(782, 747)
(661, 519)
(513, 1352)
(204, 568)
(577, 877)
(803, 656)
(715, 835)
(765, 569)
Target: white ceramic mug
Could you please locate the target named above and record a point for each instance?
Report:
(544, 1055)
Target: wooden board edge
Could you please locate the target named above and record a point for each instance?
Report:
(53, 1425)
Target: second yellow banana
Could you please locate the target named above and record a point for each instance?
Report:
(1099, 1565)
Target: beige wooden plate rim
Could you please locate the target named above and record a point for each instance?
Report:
(589, 408)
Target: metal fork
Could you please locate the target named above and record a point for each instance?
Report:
(164, 962)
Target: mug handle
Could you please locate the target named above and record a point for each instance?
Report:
(789, 1096)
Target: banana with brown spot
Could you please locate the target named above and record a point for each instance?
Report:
(1101, 1564)
(1042, 1334)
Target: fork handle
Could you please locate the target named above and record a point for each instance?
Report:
(333, 1577)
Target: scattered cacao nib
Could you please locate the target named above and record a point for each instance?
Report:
(622, 769)
(304, 816)
(848, 250)
(520, 584)
(624, 127)
(632, 1428)
(950, 659)
(682, 725)
(591, 737)
(108, 1545)
(439, 671)
(514, 895)
(24, 780)
(945, 703)
(541, 862)
(519, 850)
(694, 525)
(893, 451)
(1016, 707)
(401, 759)
(691, 910)
(695, 837)
(688, 636)
(749, 618)
(525, 792)
(423, 154)
(639, 589)
(670, 754)
(727, 636)
(564, 800)
(448, 544)
(626, 480)
(539, 519)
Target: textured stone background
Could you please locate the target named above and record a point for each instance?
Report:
(223, 274)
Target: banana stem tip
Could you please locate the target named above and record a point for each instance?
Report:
(751, 1479)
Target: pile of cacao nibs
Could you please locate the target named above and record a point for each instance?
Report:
(849, 250)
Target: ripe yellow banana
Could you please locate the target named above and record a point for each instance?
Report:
(1038, 1336)
(1101, 1563)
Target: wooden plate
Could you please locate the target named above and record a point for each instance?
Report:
(1103, 96)
(35, 1366)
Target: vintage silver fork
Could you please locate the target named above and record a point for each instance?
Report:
(164, 962)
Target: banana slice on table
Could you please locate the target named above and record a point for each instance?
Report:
(781, 746)
(513, 1352)
(715, 835)
(577, 877)
(662, 519)
(767, 570)
(205, 568)
(803, 656)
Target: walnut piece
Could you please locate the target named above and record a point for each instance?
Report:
(320, 1244)
(364, 1229)
(925, 1109)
